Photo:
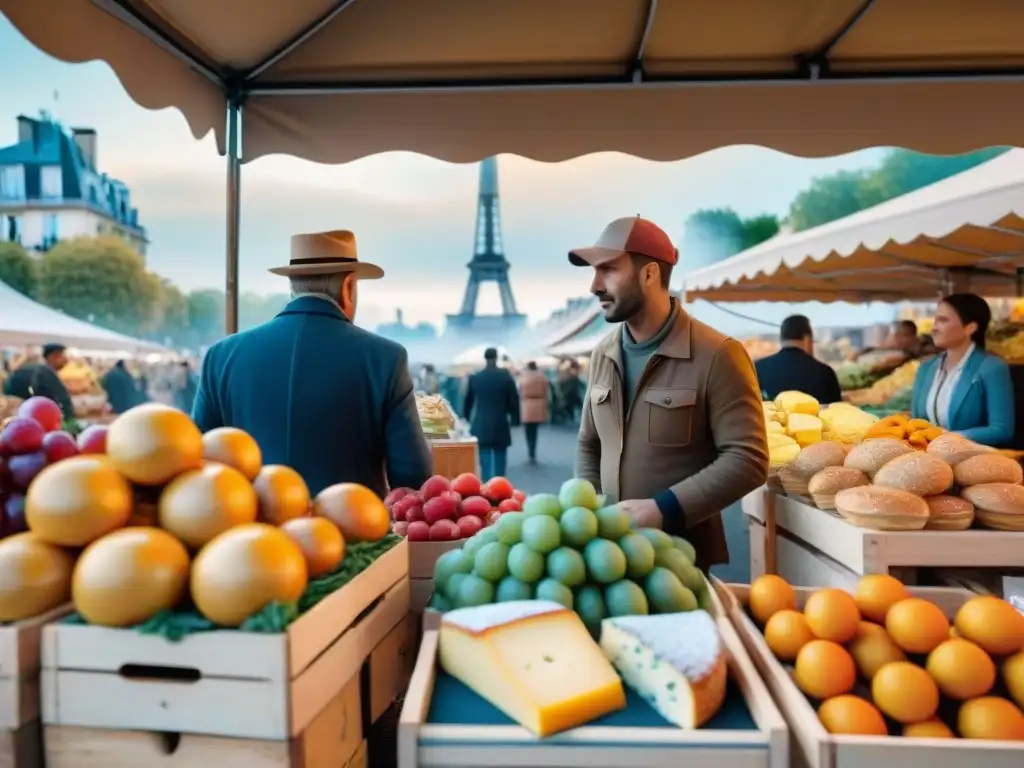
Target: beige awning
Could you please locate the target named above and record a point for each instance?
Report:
(965, 232)
(335, 80)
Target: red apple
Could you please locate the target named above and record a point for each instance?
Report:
(510, 505)
(469, 525)
(24, 467)
(400, 509)
(93, 439)
(467, 484)
(414, 513)
(497, 489)
(21, 435)
(439, 508)
(14, 515)
(43, 411)
(434, 486)
(401, 529)
(4, 474)
(396, 494)
(59, 446)
(418, 531)
(519, 496)
(477, 506)
(444, 530)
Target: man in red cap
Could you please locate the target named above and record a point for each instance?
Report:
(672, 426)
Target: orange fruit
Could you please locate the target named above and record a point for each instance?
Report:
(961, 669)
(929, 729)
(770, 594)
(832, 615)
(320, 541)
(905, 692)
(1013, 677)
(232, 446)
(282, 493)
(356, 510)
(824, 669)
(872, 649)
(853, 716)
(786, 633)
(990, 717)
(992, 623)
(876, 593)
(917, 625)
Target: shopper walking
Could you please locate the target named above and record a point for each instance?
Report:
(533, 405)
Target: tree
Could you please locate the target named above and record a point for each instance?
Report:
(101, 280)
(715, 234)
(205, 315)
(17, 268)
(255, 308)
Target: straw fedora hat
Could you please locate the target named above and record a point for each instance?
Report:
(327, 253)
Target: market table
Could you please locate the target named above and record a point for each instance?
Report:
(808, 546)
(454, 456)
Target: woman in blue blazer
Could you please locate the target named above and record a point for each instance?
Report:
(964, 388)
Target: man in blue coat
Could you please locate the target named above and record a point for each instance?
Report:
(317, 393)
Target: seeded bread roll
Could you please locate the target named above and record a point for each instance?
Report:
(997, 505)
(883, 509)
(818, 456)
(918, 473)
(987, 468)
(949, 513)
(953, 448)
(824, 486)
(871, 455)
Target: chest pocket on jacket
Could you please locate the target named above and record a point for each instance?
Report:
(670, 416)
(602, 409)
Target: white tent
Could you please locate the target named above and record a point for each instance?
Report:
(965, 232)
(475, 355)
(23, 321)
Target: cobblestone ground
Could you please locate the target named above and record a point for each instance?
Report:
(556, 451)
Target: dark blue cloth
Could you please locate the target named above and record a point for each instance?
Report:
(320, 395)
(492, 407)
(792, 368)
(493, 463)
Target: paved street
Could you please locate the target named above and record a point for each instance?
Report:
(556, 450)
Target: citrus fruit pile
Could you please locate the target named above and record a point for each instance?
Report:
(166, 518)
(571, 550)
(884, 662)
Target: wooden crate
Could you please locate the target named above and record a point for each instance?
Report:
(422, 589)
(817, 748)
(425, 745)
(20, 648)
(423, 555)
(226, 695)
(454, 457)
(847, 552)
(391, 664)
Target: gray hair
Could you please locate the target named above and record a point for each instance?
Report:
(327, 286)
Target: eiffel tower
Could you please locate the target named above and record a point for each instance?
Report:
(487, 265)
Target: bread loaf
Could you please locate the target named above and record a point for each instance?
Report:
(918, 473)
(871, 455)
(825, 484)
(997, 505)
(817, 456)
(987, 468)
(883, 509)
(952, 448)
(792, 482)
(949, 513)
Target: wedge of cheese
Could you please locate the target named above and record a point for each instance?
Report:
(792, 402)
(674, 661)
(532, 659)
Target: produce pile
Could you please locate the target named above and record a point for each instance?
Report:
(881, 662)
(568, 549)
(886, 389)
(167, 529)
(888, 484)
(437, 417)
(450, 510)
(795, 420)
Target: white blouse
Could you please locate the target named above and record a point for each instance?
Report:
(940, 394)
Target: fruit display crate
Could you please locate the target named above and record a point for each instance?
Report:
(817, 748)
(456, 456)
(21, 744)
(808, 546)
(116, 697)
(422, 557)
(445, 724)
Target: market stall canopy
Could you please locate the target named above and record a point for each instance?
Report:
(474, 356)
(335, 80)
(965, 232)
(23, 321)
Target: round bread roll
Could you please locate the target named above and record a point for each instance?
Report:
(987, 468)
(918, 473)
(997, 505)
(825, 484)
(818, 456)
(883, 509)
(952, 448)
(871, 455)
(949, 513)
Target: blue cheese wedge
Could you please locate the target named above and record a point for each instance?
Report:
(675, 661)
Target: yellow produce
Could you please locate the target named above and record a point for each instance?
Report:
(791, 402)
(876, 593)
(234, 447)
(905, 692)
(1013, 677)
(824, 669)
(845, 423)
(832, 615)
(770, 594)
(990, 717)
(786, 633)
(782, 449)
(805, 429)
(35, 577)
(992, 623)
(151, 444)
(917, 625)
(872, 649)
(929, 729)
(852, 716)
(203, 503)
(961, 669)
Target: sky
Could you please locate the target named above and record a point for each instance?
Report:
(411, 214)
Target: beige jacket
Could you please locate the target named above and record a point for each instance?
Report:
(533, 397)
(695, 428)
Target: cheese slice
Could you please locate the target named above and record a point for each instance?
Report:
(532, 659)
(673, 660)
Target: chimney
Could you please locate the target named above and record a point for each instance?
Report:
(26, 128)
(85, 138)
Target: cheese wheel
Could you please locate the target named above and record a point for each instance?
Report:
(824, 486)
(883, 509)
(918, 473)
(952, 448)
(871, 455)
(987, 468)
(949, 513)
(818, 456)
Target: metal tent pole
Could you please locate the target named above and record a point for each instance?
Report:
(234, 157)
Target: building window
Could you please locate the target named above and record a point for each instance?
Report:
(14, 229)
(52, 182)
(50, 231)
(12, 182)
